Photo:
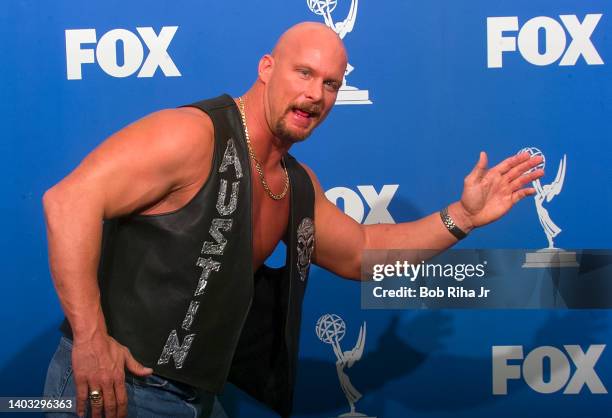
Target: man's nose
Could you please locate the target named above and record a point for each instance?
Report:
(314, 91)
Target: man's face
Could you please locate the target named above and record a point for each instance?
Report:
(302, 88)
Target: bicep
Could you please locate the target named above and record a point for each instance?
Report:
(339, 239)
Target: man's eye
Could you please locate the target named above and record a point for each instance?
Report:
(332, 85)
(304, 72)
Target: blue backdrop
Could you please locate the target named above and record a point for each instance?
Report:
(436, 102)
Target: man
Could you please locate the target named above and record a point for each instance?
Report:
(186, 226)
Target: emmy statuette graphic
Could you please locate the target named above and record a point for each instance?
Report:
(549, 256)
(347, 94)
(330, 330)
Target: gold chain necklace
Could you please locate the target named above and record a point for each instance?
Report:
(257, 163)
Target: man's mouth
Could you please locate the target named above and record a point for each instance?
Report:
(304, 113)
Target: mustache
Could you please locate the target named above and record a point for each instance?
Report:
(312, 109)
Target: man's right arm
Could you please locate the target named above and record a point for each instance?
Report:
(153, 163)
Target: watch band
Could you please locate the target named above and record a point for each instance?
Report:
(449, 223)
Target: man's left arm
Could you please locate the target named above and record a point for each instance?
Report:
(487, 195)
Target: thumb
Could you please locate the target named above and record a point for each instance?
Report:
(135, 367)
(480, 169)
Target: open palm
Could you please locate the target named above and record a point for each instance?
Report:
(489, 193)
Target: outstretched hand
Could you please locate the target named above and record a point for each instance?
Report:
(488, 194)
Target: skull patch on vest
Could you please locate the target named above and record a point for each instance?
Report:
(305, 246)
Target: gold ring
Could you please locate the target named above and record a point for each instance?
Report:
(95, 397)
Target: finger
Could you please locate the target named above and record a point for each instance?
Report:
(96, 408)
(480, 169)
(134, 366)
(122, 399)
(119, 400)
(522, 193)
(522, 168)
(110, 403)
(510, 162)
(81, 394)
(525, 179)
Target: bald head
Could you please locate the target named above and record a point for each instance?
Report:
(309, 35)
(299, 81)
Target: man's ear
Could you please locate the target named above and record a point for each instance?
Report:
(266, 66)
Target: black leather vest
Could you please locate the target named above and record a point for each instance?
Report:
(178, 289)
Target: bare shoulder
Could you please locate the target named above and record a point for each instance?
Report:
(313, 178)
(178, 129)
(308, 170)
(177, 141)
(155, 162)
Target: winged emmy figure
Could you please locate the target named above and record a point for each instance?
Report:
(347, 359)
(547, 193)
(331, 330)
